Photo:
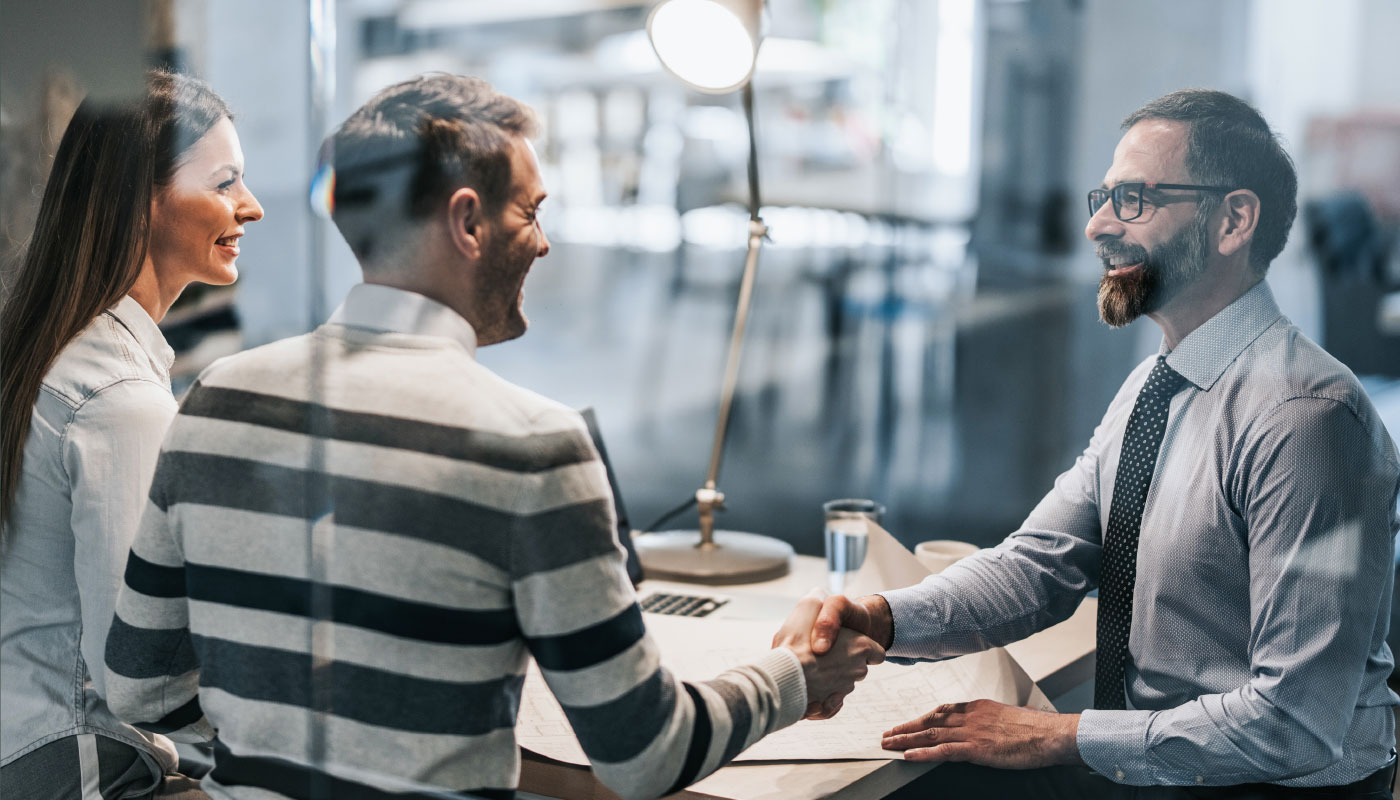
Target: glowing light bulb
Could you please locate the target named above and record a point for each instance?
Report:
(703, 43)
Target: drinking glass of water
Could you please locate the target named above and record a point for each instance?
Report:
(846, 537)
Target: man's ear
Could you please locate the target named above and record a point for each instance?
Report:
(465, 222)
(1240, 221)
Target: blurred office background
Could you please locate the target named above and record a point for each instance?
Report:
(924, 330)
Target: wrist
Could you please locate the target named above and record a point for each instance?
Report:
(1067, 751)
(880, 619)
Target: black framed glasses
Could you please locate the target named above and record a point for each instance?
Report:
(1129, 198)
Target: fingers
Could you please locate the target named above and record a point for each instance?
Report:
(835, 612)
(800, 620)
(941, 717)
(827, 708)
(924, 738)
(874, 653)
(952, 751)
(857, 646)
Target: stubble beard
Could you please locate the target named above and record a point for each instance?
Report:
(501, 298)
(1165, 271)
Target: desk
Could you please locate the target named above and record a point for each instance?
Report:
(1058, 659)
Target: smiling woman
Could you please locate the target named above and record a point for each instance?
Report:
(144, 197)
(197, 220)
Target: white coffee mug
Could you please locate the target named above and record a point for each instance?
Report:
(940, 554)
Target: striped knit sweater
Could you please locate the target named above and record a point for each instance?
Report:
(354, 541)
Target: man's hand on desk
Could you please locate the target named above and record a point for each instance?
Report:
(834, 674)
(988, 733)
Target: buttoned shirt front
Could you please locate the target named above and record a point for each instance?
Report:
(1257, 650)
(98, 421)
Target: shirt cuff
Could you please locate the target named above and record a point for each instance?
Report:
(916, 630)
(1114, 744)
(783, 668)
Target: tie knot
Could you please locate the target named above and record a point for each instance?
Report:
(1163, 380)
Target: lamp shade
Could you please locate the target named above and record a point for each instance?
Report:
(711, 45)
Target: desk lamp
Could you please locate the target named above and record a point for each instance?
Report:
(712, 45)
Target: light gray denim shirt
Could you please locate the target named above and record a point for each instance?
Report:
(96, 430)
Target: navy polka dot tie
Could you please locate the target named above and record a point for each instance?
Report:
(1136, 462)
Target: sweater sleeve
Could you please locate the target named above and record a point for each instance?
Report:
(152, 672)
(645, 732)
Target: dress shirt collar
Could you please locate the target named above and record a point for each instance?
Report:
(133, 316)
(1206, 352)
(384, 308)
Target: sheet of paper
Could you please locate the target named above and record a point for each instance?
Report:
(700, 649)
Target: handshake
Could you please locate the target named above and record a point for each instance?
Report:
(836, 640)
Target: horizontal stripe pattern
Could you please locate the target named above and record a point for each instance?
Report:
(397, 761)
(183, 717)
(538, 540)
(490, 486)
(535, 595)
(376, 697)
(301, 782)
(372, 560)
(154, 580)
(133, 657)
(369, 648)
(520, 454)
(606, 680)
(460, 524)
(588, 646)
(699, 743)
(619, 730)
(350, 606)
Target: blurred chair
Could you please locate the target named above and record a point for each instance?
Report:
(1352, 247)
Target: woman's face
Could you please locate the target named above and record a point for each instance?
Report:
(197, 220)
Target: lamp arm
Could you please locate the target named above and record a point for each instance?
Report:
(708, 497)
(753, 154)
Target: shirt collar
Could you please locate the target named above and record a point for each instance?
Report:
(1206, 352)
(133, 316)
(384, 308)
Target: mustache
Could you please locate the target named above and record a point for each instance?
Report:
(1133, 252)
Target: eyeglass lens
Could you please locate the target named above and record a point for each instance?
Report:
(1126, 197)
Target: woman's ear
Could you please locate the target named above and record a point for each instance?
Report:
(464, 222)
(1240, 221)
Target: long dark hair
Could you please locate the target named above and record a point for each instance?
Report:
(90, 236)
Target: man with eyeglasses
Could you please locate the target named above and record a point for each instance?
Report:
(1235, 509)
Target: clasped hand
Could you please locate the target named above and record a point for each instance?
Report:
(833, 674)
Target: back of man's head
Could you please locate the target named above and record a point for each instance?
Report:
(1230, 144)
(402, 154)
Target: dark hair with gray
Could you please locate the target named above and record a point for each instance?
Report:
(402, 154)
(1230, 144)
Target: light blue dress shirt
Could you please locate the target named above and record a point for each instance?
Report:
(94, 435)
(1264, 571)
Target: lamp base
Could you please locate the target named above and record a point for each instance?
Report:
(733, 558)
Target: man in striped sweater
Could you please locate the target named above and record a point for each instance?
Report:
(356, 538)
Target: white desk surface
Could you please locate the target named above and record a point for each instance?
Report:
(1058, 659)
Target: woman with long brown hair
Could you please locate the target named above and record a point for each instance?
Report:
(144, 197)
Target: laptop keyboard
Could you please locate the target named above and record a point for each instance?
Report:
(681, 605)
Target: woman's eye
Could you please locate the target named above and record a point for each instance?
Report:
(226, 184)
